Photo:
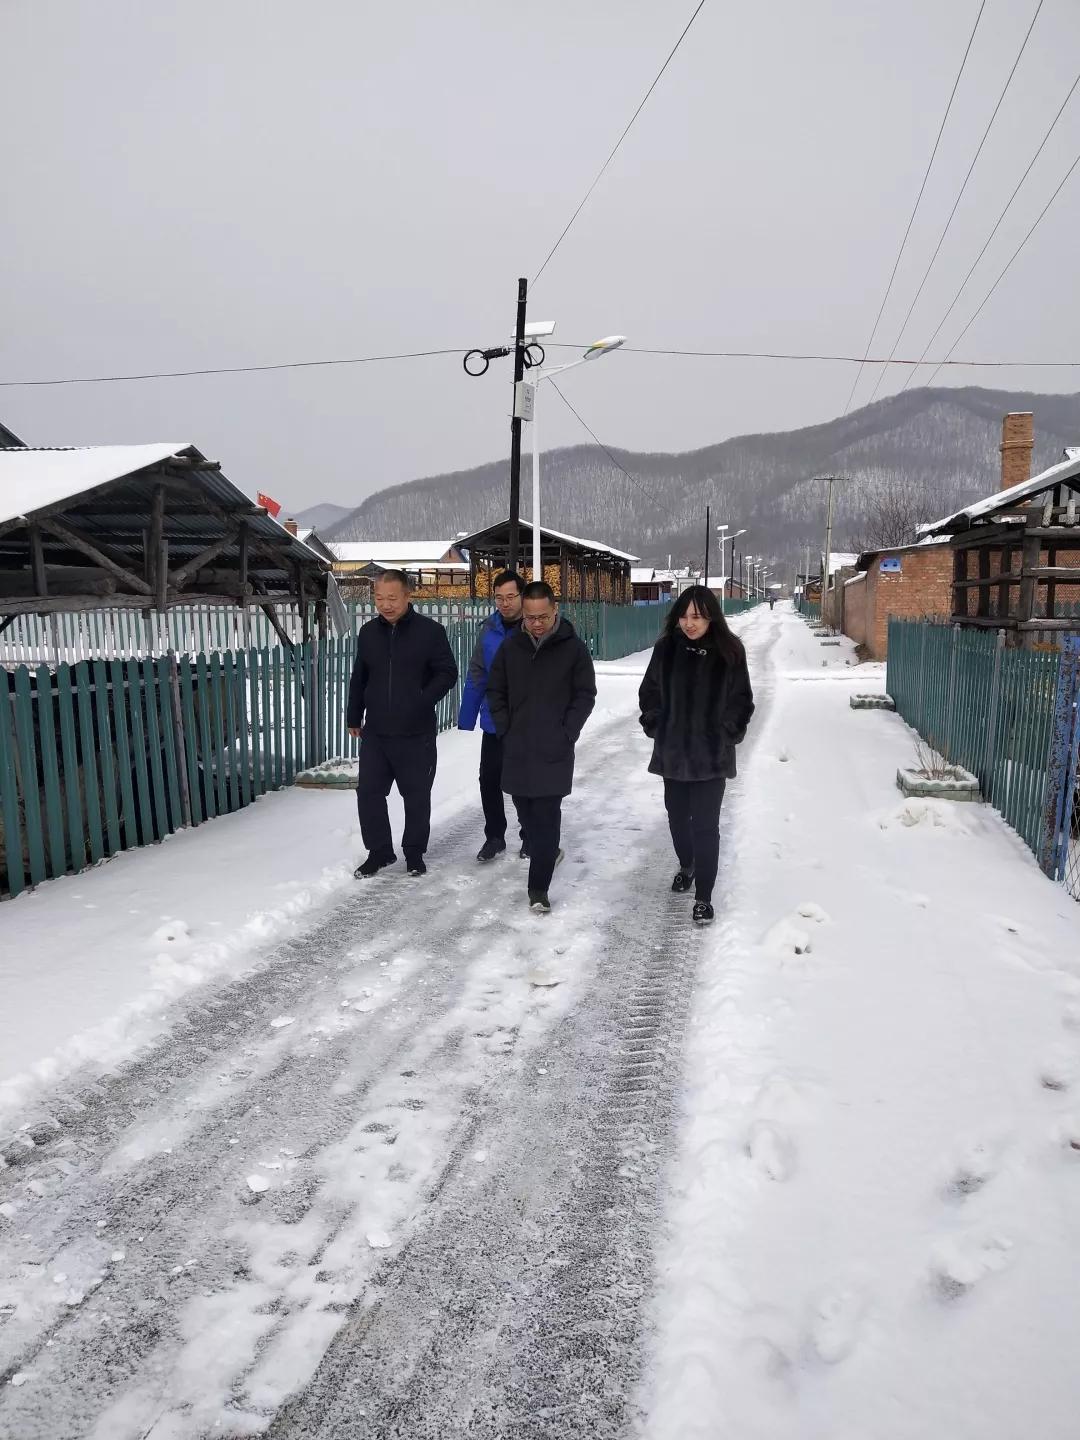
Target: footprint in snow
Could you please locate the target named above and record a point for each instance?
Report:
(959, 1263)
(835, 1322)
(976, 1163)
(1059, 1070)
(772, 1150)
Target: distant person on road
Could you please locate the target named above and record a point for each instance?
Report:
(772, 601)
(506, 589)
(403, 668)
(541, 690)
(695, 704)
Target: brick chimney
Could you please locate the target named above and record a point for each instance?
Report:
(290, 524)
(1017, 442)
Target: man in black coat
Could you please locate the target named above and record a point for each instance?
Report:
(403, 668)
(540, 692)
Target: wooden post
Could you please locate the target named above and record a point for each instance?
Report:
(1030, 552)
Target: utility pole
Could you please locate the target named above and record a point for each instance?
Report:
(806, 583)
(515, 426)
(708, 529)
(831, 481)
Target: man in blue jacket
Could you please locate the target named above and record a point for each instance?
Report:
(404, 666)
(474, 704)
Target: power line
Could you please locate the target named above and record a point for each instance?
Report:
(956, 203)
(840, 359)
(918, 201)
(647, 493)
(622, 137)
(566, 345)
(997, 225)
(1004, 272)
(230, 369)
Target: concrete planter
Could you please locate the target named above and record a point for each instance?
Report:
(872, 702)
(956, 784)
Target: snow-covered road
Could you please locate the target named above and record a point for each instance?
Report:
(291, 1156)
(402, 1178)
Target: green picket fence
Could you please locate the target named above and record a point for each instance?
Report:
(105, 755)
(982, 706)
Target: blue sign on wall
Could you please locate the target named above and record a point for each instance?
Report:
(890, 565)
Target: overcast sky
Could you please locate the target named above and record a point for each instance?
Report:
(200, 183)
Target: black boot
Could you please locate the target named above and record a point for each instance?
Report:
(703, 913)
(489, 850)
(373, 864)
(683, 881)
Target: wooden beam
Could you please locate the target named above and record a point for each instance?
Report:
(984, 581)
(1031, 553)
(243, 562)
(271, 615)
(1066, 573)
(179, 578)
(153, 543)
(85, 546)
(37, 561)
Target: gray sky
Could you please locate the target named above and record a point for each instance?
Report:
(230, 182)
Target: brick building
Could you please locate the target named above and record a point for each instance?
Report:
(908, 582)
(1005, 562)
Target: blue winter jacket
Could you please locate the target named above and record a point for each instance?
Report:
(474, 692)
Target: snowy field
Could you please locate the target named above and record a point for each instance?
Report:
(289, 1155)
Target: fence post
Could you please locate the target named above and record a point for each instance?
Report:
(1061, 776)
(987, 779)
(950, 698)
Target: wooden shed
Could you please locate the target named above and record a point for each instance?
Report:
(141, 527)
(575, 569)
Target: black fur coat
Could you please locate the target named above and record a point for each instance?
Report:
(695, 707)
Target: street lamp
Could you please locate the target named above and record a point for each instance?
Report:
(598, 348)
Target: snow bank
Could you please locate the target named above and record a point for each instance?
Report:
(875, 1217)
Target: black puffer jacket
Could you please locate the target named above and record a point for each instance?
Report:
(539, 701)
(695, 707)
(400, 674)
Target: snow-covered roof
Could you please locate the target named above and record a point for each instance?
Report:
(554, 535)
(32, 479)
(841, 560)
(389, 552)
(646, 575)
(1067, 469)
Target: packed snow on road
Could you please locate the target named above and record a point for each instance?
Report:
(293, 1155)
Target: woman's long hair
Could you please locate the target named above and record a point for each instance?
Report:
(718, 635)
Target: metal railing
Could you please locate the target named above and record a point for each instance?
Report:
(1008, 716)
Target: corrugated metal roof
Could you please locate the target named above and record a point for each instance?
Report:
(32, 479)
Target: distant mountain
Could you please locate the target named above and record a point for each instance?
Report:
(941, 445)
(321, 517)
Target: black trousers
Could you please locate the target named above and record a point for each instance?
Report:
(491, 795)
(409, 762)
(541, 820)
(693, 811)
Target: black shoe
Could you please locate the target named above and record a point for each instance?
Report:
(684, 879)
(490, 849)
(703, 913)
(373, 864)
(523, 853)
(416, 868)
(539, 902)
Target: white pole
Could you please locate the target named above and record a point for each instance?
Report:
(537, 571)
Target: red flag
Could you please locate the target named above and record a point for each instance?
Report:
(271, 505)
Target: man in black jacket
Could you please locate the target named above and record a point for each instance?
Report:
(403, 668)
(541, 690)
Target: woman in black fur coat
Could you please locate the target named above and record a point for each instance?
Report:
(695, 704)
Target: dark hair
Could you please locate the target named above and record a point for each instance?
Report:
(398, 575)
(538, 590)
(718, 635)
(507, 577)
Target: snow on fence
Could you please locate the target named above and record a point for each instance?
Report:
(105, 754)
(1009, 716)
